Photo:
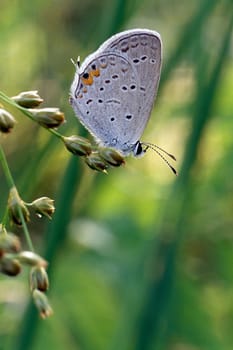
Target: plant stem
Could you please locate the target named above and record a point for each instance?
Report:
(11, 184)
(6, 169)
(25, 230)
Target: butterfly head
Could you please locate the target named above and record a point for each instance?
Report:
(139, 150)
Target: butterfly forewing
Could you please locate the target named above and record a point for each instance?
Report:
(101, 98)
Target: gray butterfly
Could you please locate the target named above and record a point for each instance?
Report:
(115, 87)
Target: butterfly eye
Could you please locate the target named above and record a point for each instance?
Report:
(87, 79)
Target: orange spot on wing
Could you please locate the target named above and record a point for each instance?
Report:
(95, 72)
(88, 80)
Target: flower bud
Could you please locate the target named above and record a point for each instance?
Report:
(48, 117)
(43, 206)
(28, 99)
(9, 266)
(111, 156)
(7, 121)
(31, 259)
(39, 279)
(9, 243)
(15, 204)
(95, 162)
(42, 303)
(78, 145)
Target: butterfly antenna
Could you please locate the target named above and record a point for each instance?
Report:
(76, 63)
(153, 146)
(158, 150)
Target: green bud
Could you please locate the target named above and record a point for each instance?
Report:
(95, 162)
(15, 204)
(78, 145)
(28, 99)
(39, 279)
(48, 117)
(43, 206)
(9, 266)
(111, 156)
(7, 121)
(42, 303)
(31, 259)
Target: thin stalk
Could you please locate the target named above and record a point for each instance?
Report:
(11, 184)
(6, 169)
(25, 230)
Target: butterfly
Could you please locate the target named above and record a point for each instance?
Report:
(114, 89)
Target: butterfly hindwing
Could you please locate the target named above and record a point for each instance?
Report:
(143, 48)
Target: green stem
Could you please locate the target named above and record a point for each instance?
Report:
(6, 169)
(11, 184)
(25, 230)
(9, 179)
(5, 217)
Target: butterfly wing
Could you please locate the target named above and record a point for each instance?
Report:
(114, 89)
(104, 97)
(143, 49)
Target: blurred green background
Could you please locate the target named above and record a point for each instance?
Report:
(138, 259)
